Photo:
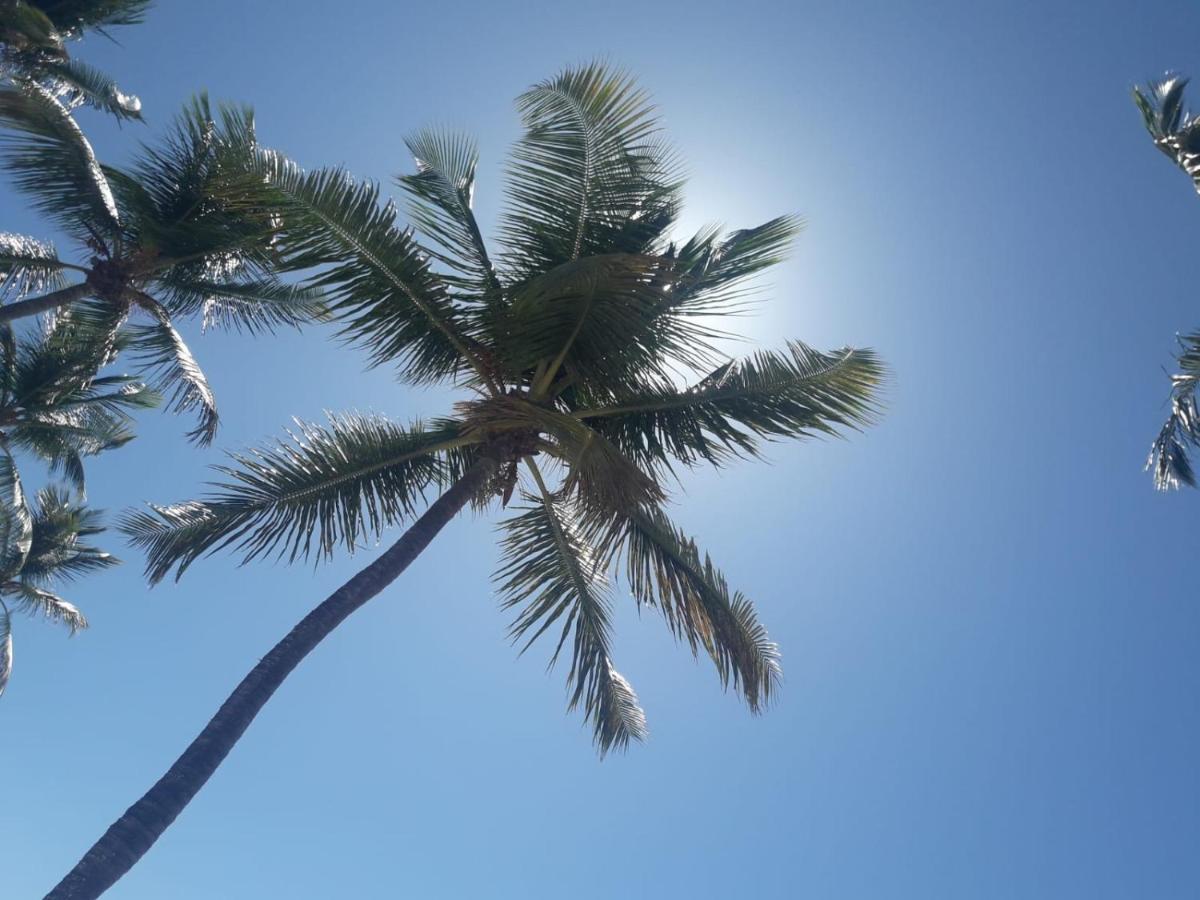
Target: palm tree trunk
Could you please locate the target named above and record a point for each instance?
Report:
(128, 839)
(45, 303)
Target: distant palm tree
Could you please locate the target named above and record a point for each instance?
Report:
(1176, 132)
(156, 240)
(55, 407)
(573, 343)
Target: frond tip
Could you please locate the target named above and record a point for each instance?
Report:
(665, 569)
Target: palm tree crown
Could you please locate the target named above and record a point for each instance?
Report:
(573, 340)
(156, 241)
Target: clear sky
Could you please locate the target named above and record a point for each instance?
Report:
(990, 629)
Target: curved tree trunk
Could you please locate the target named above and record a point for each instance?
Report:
(45, 303)
(128, 839)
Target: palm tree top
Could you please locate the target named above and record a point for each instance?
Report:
(588, 345)
(155, 240)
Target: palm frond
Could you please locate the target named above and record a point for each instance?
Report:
(590, 175)
(16, 523)
(173, 371)
(442, 194)
(6, 647)
(256, 306)
(712, 272)
(73, 17)
(600, 319)
(54, 405)
(1170, 454)
(27, 30)
(666, 570)
(175, 196)
(1176, 132)
(78, 83)
(33, 600)
(28, 266)
(58, 549)
(770, 395)
(379, 281)
(326, 487)
(548, 569)
(51, 161)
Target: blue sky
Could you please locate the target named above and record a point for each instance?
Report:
(989, 629)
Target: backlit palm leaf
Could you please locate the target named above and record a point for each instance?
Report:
(549, 570)
(328, 486)
(769, 395)
(590, 175)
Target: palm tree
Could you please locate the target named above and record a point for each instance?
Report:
(156, 241)
(1176, 132)
(41, 546)
(573, 343)
(33, 49)
(55, 407)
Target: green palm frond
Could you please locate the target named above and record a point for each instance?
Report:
(600, 320)
(58, 549)
(589, 176)
(1170, 454)
(26, 29)
(72, 17)
(1176, 132)
(256, 306)
(28, 266)
(442, 194)
(165, 357)
(78, 83)
(6, 647)
(549, 570)
(173, 194)
(712, 272)
(53, 163)
(379, 281)
(769, 395)
(33, 600)
(16, 522)
(40, 548)
(665, 569)
(326, 487)
(54, 405)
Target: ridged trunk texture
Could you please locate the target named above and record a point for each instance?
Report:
(37, 305)
(128, 839)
